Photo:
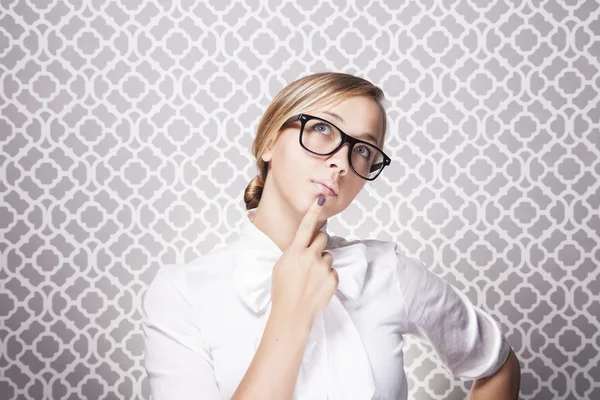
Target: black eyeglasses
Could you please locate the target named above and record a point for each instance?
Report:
(321, 137)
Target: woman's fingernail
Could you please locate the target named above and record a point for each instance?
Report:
(321, 200)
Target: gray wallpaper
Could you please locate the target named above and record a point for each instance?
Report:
(125, 135)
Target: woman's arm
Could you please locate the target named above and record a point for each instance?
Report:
(273, 372)
(176, 357)
(502, 385)
(465, 338)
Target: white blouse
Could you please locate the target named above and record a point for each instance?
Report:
(203, 322)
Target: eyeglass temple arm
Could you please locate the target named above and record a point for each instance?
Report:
(375, 167)
(293, 118)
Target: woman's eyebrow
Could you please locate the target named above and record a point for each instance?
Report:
(363, 136)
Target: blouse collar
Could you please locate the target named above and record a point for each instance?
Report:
(257, 254)
(262, 240)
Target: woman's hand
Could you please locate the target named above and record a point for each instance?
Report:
(303, 281)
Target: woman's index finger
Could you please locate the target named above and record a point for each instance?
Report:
(307, 226)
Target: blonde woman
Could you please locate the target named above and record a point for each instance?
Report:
(288, 311)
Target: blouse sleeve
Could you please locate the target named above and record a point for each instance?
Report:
(177, 359)
(465, 338)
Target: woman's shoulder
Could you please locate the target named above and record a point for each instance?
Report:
(203, 270)
(380, 252)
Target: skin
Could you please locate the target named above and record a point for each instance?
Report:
(502, 385)
(287, 196)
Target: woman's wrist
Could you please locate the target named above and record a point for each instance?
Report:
(290, 325)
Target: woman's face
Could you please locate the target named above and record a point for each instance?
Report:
(293, 170)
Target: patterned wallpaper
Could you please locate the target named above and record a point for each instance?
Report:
(125, 135)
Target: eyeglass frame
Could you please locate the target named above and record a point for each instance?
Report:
(304, 118)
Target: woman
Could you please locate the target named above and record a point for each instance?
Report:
(287, 311)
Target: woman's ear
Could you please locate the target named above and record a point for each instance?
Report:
(267, 155)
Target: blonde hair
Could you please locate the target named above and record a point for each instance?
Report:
(324, 88)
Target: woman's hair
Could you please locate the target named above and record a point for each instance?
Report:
(324, 88)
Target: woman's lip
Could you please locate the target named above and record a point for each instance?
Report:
(324, 190)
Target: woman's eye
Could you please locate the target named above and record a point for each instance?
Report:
(321, 128)
(363, 151)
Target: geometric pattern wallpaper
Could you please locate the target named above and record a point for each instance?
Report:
(125, 136)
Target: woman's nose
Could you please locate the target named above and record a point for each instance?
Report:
(340, 158)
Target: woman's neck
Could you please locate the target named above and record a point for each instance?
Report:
(278, 220)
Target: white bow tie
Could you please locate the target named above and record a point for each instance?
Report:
(335, 364)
